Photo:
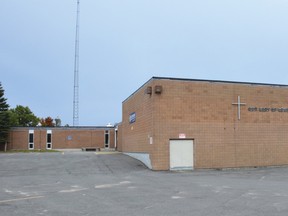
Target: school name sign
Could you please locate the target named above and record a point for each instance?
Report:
(265, 109)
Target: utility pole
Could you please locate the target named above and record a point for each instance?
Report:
(76, 72)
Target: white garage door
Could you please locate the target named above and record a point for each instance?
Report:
(181, 154)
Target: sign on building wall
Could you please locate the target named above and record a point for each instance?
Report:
(267, 109)
(132, 118)
(182, 136)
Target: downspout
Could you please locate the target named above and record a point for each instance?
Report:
(115, 136)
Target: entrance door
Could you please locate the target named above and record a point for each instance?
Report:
(181, 154)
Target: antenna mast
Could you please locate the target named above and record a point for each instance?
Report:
(76, 72)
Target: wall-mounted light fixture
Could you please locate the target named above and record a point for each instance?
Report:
(148, 90)
(158, 89)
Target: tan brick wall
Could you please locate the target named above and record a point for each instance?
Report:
(204, 112)
(18, 139)
(135, 136)
(86, 137)
(112, 139)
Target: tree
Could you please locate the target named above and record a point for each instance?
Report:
(4, 118)
(57, 122)
(47, 122)
(23, 117)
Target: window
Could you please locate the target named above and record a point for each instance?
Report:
(106, 139)
(31, 140)
(31, 137)
(49, 139)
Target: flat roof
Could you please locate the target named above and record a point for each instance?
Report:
(205, 80)
(66, 128)
(216, 81)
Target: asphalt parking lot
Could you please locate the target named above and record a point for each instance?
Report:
(85, 183)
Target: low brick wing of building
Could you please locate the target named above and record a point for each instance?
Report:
(36, 138)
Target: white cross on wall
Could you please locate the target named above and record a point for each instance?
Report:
(239, 104)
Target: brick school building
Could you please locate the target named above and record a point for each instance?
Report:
(171, 123)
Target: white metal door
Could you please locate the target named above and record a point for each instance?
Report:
(181, 154)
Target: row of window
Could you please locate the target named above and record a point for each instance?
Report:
(49, 139)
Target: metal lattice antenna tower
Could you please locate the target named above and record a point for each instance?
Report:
(76, 72)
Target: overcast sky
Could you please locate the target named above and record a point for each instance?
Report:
(123, 43)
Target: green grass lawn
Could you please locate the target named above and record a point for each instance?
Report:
(28, 151)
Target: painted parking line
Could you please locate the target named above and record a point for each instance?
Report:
(73, 190)
(112, 185)
(21, 199)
